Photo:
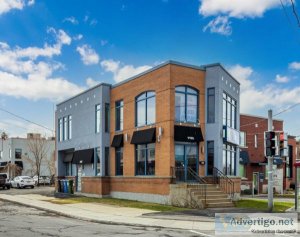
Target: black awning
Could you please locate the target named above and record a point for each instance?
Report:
(144, 136)
(117, 141)
(19, 163)
(187, 134)
(244, 157)
(83, 156)
(68, 157)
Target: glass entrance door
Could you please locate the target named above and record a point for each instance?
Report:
(186, 157)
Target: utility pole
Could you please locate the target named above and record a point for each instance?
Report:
(270, 167)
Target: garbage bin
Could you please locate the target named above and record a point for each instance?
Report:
(58, 186)
(61, 181)
(70, 186)
(66, 186)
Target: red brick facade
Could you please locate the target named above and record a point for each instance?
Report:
(255, 126)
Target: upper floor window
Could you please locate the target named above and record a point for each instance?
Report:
(243, 136)
(98, 119)
(255, 140)
(211, 105)
(107, 117)
(119, 115)
(70, 127)
(229, 111)
(65, 128)
(186, 104)
(60, 129)
(18, 153)
(145, 109)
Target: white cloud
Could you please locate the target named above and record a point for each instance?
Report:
(220, 25)
(294, 66)
(28, 72)
(91, 82)
(71, 19)
(237, 8)
(78, 37)
(8, 5)
(281, 79)
(122, 72)
(253, 98)
(88, 55)
(223, 10)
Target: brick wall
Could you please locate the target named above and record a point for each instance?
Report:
(163, 82)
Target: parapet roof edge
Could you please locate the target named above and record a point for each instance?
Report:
(157, 67)
(262, 117)
(220, 65)
(89, 89)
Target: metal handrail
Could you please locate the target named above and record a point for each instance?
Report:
(218, 175)
(202, 188)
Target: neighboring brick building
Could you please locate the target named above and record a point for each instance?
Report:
(172, 120)
(253, 163)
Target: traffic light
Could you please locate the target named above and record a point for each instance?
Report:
(270, 143)
(281, 140)
(283, 146)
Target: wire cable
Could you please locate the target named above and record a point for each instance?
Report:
(27, 120)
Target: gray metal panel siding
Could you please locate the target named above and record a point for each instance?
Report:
(82, 109)
(218, 78)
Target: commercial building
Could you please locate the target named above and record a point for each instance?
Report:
(17, 155)
(253, 163)
(171, 124)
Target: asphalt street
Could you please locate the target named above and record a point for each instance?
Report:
(17, 220)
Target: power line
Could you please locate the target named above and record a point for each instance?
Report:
(27, 120)
(295, 12)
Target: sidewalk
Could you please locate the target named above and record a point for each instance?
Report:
(108, 214)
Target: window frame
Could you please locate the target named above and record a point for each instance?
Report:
(97, 119)
(211, 93)
(144, 97)
(187, 93)
(119, 108)
(230, 119)
(147, 150)
(106, 117)
(228, 151)
(20, 150)
(69, 127)
(119, 171)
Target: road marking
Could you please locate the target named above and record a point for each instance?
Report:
(199, 233)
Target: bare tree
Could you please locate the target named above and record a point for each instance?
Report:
(39, 148)
(13, 170)
(51, 166)
(4, 136)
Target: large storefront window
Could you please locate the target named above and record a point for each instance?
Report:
(186, 161)
(229, 159)
(119, 160)
(229, 111)
(186, 104)
(145, 159)
(145, 109)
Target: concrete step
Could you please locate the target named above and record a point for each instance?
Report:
(217, 200)
(219, 204)
(209, 192)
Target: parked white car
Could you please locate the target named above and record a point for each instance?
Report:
(42, 180)
(22, 182)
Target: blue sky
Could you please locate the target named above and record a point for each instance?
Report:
(51, 50)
